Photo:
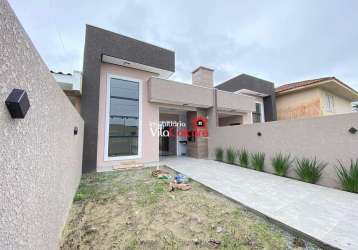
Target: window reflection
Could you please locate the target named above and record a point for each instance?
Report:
(123, 118)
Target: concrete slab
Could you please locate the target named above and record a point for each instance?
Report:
(327, 215)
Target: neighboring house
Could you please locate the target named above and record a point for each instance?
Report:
(312, 98)
(263, 91)
(126, 94)
(71, 85)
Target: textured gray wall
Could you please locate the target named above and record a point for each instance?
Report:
(325, 137)
(40, 157)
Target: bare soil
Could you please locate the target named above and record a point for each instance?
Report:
(133, 210)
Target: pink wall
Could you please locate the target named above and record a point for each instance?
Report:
(150, 113)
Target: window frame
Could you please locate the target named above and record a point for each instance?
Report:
(262, 114)
(330, 103)
(108, 106)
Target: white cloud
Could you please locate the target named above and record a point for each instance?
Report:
(280, 41)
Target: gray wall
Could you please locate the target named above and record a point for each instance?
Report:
(325, 137)
(245, 81)
(100, 42)
(40, 157)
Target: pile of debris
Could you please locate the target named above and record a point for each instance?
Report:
(180, 182)
(161, 174)
(126, 165)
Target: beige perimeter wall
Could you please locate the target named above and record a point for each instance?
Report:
(40, 157)
(325, 137)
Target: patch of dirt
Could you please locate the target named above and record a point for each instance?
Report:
(133, 210)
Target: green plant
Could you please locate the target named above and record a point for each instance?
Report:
(219, 154)
(231, 155)
(281, 163)
(258, 161)
(310, 170)
(244, 158)
(348, 177)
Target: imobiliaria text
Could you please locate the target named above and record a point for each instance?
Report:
(179, 128)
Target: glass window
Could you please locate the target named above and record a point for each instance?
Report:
(329, 103)
(123, 118)
(256, 116)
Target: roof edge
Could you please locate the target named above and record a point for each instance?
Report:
(317, 83)
(128, 37)
(244, 74)
(201, 67)
(314, 82)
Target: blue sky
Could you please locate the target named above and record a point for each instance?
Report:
(280, 41)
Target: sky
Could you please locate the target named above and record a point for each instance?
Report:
(280, 41)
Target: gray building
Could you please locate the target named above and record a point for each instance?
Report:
(250, 85)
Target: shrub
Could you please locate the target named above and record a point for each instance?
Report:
(281, 163)
(348, 177)
(219, 154)
(244, 158)
(258, 161)
(231, 156)
(310, 170)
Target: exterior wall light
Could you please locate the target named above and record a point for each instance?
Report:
(18, 103)
(352, 130)
(75, 130)
(259, 134)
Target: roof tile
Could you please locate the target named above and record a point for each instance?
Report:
(295, 85)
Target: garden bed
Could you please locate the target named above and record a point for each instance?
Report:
(133, 210)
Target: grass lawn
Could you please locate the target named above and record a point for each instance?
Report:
(133, 210)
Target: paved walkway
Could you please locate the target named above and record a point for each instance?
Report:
(328, 215)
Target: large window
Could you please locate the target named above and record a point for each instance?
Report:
(257, 115)
(123, 118)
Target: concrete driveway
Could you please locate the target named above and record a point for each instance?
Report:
(327, 215)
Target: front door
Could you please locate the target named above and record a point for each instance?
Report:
(167, 144)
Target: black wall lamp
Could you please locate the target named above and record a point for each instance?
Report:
(259, 134)
(75, 130)
(352, 130)
(18, 103)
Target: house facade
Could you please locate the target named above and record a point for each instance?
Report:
(313, 98)
(134, 113)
